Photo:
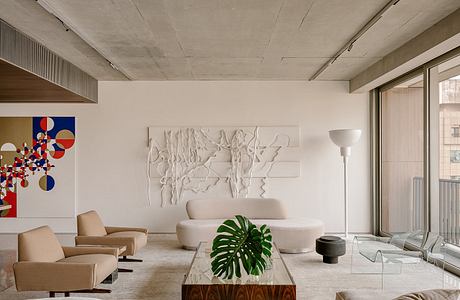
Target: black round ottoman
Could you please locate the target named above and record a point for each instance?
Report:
(330, 247)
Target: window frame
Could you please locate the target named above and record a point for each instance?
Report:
(375, 119)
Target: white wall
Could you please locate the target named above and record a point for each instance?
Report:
(112, 145)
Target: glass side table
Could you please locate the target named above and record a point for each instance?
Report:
(387, 253)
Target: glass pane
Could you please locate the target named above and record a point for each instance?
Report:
(446, 209)
(402, 157)
(200, 271)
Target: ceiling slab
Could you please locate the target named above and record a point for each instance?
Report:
(30, 18)
(226, 40)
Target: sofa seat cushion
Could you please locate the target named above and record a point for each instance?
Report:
(294, 235)
(105, 264)
(289, 224)
(437, 294)
(140, 240)
(365, 294)
(290, 235)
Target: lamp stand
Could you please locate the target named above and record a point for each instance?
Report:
(345, 152)
(345, 193)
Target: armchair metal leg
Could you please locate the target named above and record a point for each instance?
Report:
(99, 291)
(123, 270)
(125, 259)
(93, 291)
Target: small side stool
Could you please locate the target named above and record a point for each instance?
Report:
(330, 247)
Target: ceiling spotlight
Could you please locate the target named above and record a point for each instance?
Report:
(350, 47)
(113, 66)
(63, 24)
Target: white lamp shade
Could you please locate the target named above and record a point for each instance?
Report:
(345, 137)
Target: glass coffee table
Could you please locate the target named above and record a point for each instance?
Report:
(200, 283)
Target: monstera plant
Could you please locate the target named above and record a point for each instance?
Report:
(238, 244)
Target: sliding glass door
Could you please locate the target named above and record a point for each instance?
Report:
(446, 209)
(416, 152)
(402, 156)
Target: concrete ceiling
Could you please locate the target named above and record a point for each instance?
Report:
(221, 39)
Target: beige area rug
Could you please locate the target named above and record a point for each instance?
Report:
(165, 264)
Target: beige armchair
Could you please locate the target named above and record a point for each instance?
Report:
(44, 265)
(91, 231)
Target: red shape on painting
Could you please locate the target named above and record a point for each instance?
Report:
(57, 154)
(10, 198)
(43, 124)
(66, 143)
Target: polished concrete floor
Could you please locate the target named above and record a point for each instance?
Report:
(161, 274)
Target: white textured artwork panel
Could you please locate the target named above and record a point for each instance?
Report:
(197, 159)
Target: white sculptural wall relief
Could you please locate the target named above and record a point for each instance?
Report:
(197, 159)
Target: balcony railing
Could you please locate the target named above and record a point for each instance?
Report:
(449, 208)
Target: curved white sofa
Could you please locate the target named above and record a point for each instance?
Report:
(290, 235)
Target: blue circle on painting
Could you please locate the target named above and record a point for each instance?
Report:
(41, 162)
(46, 182)
(50, 182)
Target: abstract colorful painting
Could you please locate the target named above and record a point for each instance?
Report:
(31, 149)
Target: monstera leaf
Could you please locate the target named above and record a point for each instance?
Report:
(239, 244)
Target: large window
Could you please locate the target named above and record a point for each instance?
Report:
(446, 209)
(417, 152)
(402, 156)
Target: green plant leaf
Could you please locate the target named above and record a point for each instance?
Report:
(238, 244)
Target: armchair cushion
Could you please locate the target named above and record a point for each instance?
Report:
(140, 238)
(39, 245)
(72, 251)
(112, 229)
(104, 264)
(90, 224)
(54, 276)
(108, 241)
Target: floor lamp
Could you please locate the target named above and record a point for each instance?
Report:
(345, 138)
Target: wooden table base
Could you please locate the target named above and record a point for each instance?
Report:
(240, 292)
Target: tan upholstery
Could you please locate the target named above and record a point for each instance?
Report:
(248, 207)
(103, 269)
(206, 215)
(133, 238)
(111, 229)
(365, 294)
(432, 295)
(140, 239)
(73, 251)
(89, 224)
(40, 245)
(44, 265)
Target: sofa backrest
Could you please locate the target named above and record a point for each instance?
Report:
(90, 224)
(227, 208)
(39, 245)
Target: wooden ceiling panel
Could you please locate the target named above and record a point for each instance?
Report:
(19, 85)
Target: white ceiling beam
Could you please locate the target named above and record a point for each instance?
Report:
(433, 42)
